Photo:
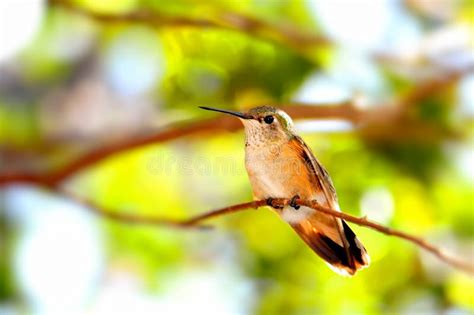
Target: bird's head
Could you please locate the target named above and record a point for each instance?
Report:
(263, 125)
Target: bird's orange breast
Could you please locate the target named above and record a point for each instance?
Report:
(279, 172)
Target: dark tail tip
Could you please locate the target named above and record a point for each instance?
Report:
(345, 261)
(358, 252)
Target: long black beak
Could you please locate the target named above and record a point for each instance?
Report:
(240, 115)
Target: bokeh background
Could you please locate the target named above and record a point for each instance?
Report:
(77, 76)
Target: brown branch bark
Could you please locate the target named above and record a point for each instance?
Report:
(386, 121)
(361, 221)
(134, 219)
(420, 242)
(223, 123)
(433, 86)
(382, 121)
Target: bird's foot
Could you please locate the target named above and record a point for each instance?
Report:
(293, 203)
(272, 203)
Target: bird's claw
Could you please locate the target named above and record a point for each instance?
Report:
(293, 203)
(272, 203)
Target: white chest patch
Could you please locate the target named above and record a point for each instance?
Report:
(267, 174)
(293, 216)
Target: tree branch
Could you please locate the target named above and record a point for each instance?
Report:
(368, 128)
(385, 121)
(361, 221)
(133, 219)
(433, 86)
(222, 123)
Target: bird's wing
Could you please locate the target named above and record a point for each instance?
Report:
(320, 176)
(330, 237)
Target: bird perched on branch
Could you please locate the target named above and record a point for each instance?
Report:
(281, 165)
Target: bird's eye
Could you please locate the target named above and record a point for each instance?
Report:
(268, 119)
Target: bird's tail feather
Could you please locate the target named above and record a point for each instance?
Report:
(345, 259)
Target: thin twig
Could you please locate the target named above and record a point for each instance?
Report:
(227, 210)
(361, 221)
(130, 218)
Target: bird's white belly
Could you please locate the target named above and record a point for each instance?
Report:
(266, 178)
(293, 216)
(272, 186)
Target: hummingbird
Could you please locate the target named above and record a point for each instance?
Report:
(280, 165)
